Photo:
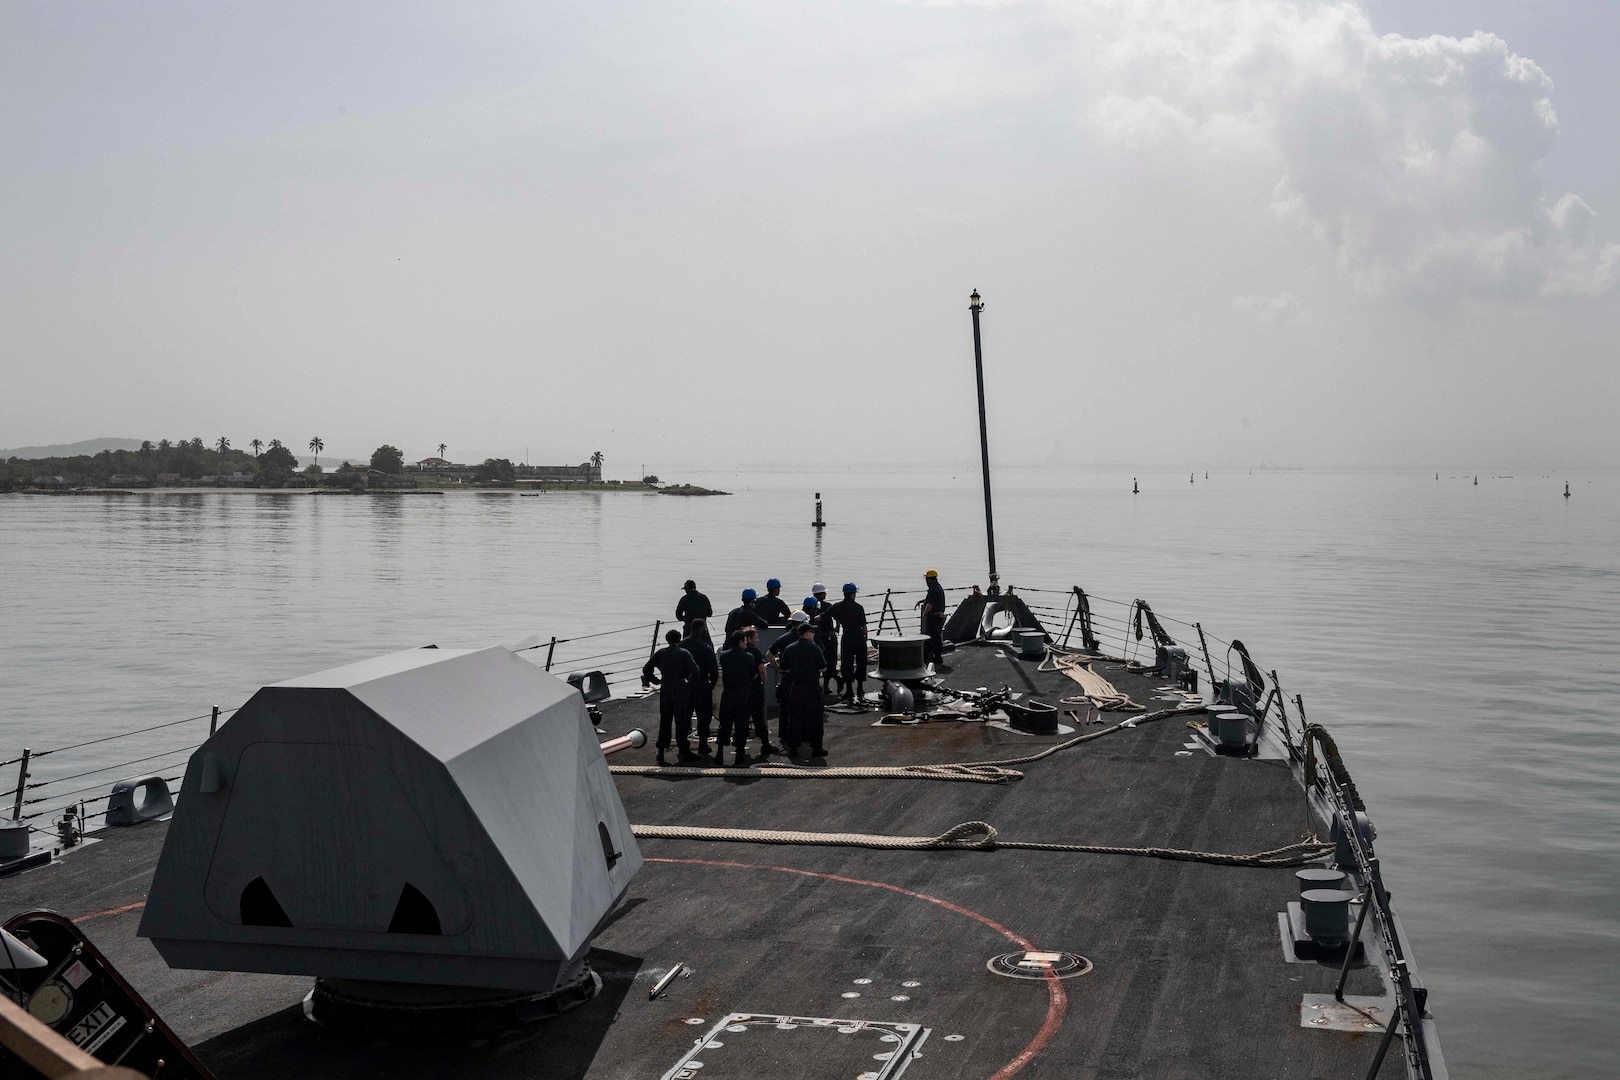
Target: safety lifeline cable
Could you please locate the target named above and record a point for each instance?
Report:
(973, 772)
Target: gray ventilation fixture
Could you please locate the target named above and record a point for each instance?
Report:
(432, 816)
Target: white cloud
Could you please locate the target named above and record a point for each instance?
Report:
(1412, 159)
(1282, 308)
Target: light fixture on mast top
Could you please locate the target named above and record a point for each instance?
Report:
(974, 302)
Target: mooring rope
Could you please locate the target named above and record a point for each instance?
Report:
(973, 772)
(978, 836)
(1102, 693)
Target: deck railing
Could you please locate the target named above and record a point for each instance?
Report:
(1073, 618)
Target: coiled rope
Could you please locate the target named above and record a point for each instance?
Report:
(1098, 690)
(972, 772)
(978, 836)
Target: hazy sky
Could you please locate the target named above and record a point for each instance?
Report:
(1208, 233)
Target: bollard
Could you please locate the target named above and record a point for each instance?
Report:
(1317, 877)
(1327, 916)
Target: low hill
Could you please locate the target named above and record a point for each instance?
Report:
(58, 450)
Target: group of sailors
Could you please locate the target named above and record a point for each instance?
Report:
(690, 665)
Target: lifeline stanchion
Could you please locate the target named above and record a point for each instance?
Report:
(1209, 665)
(1282, 710)
(1355, 939)
(22, 783)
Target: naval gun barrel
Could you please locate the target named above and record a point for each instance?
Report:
(634, 740)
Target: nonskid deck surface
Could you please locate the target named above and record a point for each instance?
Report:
(1189, 978)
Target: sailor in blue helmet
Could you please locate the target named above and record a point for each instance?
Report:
(744, 614)
(772, 606)
(851, 617)
(672, 668)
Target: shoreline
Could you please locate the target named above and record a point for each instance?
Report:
(547, 488)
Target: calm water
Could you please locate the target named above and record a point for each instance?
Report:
(1461, 641)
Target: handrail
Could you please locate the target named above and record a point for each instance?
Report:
(1345, 803)
(1323, 770)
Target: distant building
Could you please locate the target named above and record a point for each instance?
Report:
(584, 473)
(168, 479)
(129, 480)
(50, 483)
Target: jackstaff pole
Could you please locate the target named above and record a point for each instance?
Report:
(976, 305)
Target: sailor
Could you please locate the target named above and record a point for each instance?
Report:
(933, 620)
(771, 605)
(692, 605)
(826, 634)
(802, 664)
(700, 687)
(739, 673)
(851, 617)
(773, 655)
(744, 614)
(796, 620)
(672, 669)
(756, 699)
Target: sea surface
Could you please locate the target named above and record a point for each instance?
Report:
(1461, 640)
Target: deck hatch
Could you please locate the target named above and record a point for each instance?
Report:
(744, 1045)
(1038, 965)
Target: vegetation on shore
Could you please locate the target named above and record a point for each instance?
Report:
(689, 489)
(194, 463)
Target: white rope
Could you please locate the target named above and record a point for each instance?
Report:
(977, 836)
(1097, 689)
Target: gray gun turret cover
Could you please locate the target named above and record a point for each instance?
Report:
(470, 775)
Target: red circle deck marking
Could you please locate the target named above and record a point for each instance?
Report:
(1057, 1002)
(110, 911)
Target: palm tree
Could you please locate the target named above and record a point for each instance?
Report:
(146, 449)
(164, 446)
(196, 442)
(257, 444)
(597, 459)
(315, 447)
(222, 446)
(275, 444)
(441, 449)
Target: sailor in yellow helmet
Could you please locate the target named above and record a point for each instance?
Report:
(933, 620)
